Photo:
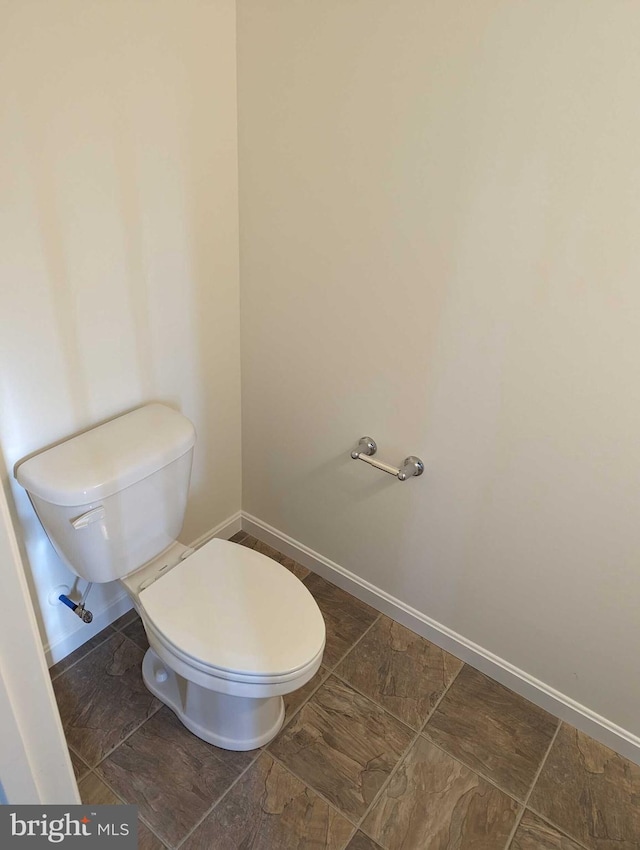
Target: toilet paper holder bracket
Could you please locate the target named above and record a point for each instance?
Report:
(367, 447)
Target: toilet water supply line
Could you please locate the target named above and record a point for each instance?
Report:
(78, 607)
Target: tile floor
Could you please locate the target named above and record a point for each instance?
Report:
(394, 745)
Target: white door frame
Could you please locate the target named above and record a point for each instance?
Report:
(34, 760)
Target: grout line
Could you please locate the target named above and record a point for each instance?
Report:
(384, 707)
(543, 762)
(143, 649)
(441, 697)
(373, 700)
(355, 643)
(533, 785)
(560, 829)
(319, 794)
(442, 748)
(478, 771)
(475, 770)
(387, 781)
(150, 828)
(133, 732)
(132, 613)
(577, 841)
(115, 793)
(416, 734)
(402, 758)
(77, 754)
(293, 714)
(132, 641)
(88, 652)
(219, 800)
(521, 802)
(354, 832)
(124, 802)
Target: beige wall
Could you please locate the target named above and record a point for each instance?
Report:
(119, 256)
(440, 209)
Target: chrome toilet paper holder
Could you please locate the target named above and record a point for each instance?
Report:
(367, 447)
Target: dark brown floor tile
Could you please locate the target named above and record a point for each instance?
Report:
(267, 550)
(147, 840)
(79, 767)
(238, 537)
(253, 543)
(590, 792)
(93, 791)
(492, 730)
(400, 670)
(360, 841)
(173, 776)
(135, 632)
(80, 652)
(269, 809)
(434, 802)
(345, 617)
(294, 567)
(534, 834)
(248, 541)
(102, 699)
(343, 745)
(127, 618)
(294, 700)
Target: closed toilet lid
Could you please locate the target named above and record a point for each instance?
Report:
(236, 610)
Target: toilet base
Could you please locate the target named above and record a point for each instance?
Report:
(229, 722)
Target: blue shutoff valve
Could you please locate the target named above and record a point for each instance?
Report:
(77, 608)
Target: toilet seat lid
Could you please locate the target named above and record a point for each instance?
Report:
(234, 609)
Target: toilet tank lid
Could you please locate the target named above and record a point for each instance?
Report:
(106, 459)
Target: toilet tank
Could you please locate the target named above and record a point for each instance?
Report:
(113, 498)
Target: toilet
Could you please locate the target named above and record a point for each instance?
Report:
(230, 630)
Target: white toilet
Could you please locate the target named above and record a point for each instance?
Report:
(229, 629)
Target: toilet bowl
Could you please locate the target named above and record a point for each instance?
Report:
(230, 631)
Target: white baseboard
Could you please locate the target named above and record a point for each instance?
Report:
(101, 619)
(226, 529)
(558, 704)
